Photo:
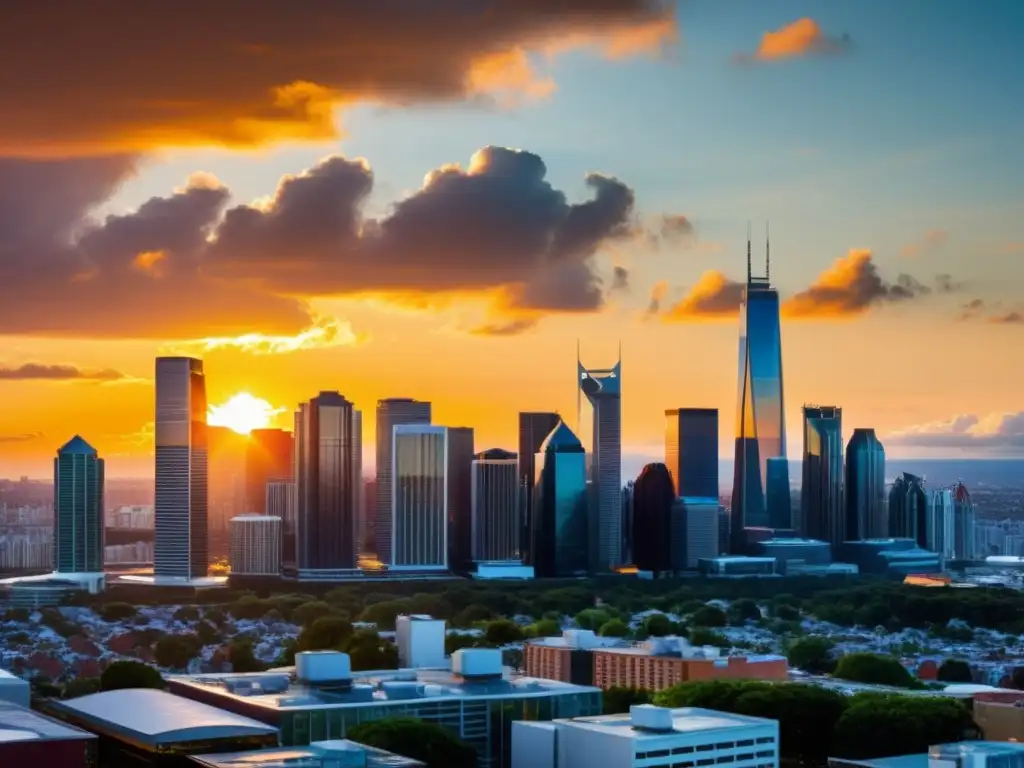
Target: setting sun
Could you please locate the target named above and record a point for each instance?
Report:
(243, 413)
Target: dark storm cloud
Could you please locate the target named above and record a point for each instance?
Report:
(39, 371)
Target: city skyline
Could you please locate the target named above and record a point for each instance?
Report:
(650, 133)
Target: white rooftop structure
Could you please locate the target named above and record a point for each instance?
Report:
(420, 640)
(580, 640)
(13, 689)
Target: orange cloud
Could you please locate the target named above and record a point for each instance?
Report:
(712, 297)
(803, 37)
(932, 239)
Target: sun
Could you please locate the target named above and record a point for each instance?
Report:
(242, 413)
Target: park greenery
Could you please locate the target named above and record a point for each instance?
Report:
(429, 743)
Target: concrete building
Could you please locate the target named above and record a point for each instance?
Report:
(78, 509)
(255, 545)
(648, 737)
(497, 528)
(321, 698)
(336, 753)
(390, 413)
(695, 531)
(28, 738)
(737, 566)
(419, 489)
(420, 641)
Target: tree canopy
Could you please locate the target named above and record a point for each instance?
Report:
(876, 669)
(429, 743)
(130, 674)
(812, 654)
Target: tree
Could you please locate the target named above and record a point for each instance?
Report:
(874, 668)
(502, 632)
(429, 743)
(708, 616)
(743, 610)
(955, 671)
(786, 612)
(130, 674)
(705, 636)
(243, 657)
(591, 618)
(812, 654)
(207, 633)
(458, 640)
(471, 614)
(547, 628)
(307, 613)
(187, 614)
(614, 628)
(249, 607)
(658, 625)
(117, 611)
(618, 700)
(176, 651)
(81, 686)
(882, 725)
(368, 651)
(325, 633)
(20, 615)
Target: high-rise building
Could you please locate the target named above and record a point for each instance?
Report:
(691, 451)
(653, 496)
(600, 423)
(78, 508)
(357, 478)
(964, 523)
(255, 545)
(559, 545)
(461, 452)
(496, 526)
(534, 427)
(821, 495)
(908, 509)
(941, 536)
(268, 458)
(760, 499)
(226, 455)
(390, 413)
(325, 509)
(419, 497)
(181, 548)
(865, 487)
(695, 531)
(281, 502)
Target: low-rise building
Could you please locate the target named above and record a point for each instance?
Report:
(14, 690)
(737, 566)
(567, 657)
(339, 753)
(28, 738)
(648, 737)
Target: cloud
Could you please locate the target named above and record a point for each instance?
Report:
(712, 296)
(509, 328)
(932, 239)
(993, 431)
(803, 37)
(323, 334)
(42, 372)
(620, 279)
(945, 283)
(23, 437)
(242, 73)
(978, 309)
(659, 292)
(851, 286)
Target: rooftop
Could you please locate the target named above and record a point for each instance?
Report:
(157, 717)
(316, 755)
(77, 445)
(21, 724)
(644, 721)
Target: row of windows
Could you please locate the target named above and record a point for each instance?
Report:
(703, 763)
(721, 746)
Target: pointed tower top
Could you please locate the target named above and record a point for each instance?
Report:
(750, 273)
(767, 253)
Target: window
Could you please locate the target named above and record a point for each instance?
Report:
(745, 743)
(766, 740)
(766, 753)
(705, 747)
(725, 759)
(682, 750)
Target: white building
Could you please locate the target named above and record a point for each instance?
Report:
(255, 545)
(420, 641)
(648, 737)
(14, 690)
(694, 531)
(419, 491)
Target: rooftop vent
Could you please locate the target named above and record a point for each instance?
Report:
(323, 667)
(400, 691)
(651, 718)
(476, 663)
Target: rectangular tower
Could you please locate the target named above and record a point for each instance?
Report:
(359, 487)
(461, 450)
(181, 548)
(691, 451)
(600, 423)
(821, 496)
(419, 497)
(268, 458)
(496, 527)
(78, 524)
(390, 413)
(534, 426)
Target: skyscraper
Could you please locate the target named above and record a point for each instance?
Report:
(78, 509)
(461, 451)
(534, 427)
(760, 414)
(865, 487)
(181, 548)
(390, 413)
(941, 536)
(359, 487)
(419, 491)
(821, 495)
(908, 509)
(653, 497)
(268, 458)
(964, 545)
(325, 510)
(281, 503)
(559, 526)
(496, 527)
(600, 422)
(691, 451)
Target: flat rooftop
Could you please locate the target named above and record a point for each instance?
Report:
(382, 688)
(684, 720)
(21, 724)
(316, 755)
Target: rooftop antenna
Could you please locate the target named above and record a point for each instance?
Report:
(749, 271)
(767, 253)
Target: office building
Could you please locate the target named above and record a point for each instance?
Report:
(359, 487)
(648, 736)
(941, 535)
(760, 418)
(964, 524)
(226, 456)
(560, 521)
(420, 641)
(325, 509)
(653, 497)
(691, 451)
(534, 427)
(255, 545)
(497, 511)
(281, 504)
(324, 698)
(181, 547)
(890, 557)
(865, 487)
(599, 407)
(908, 509)
(390, 412)
(461, 452)
(29, 738)
(78, 509)
(419, 480)
(823, 516)
(695, 532)
(268, 458)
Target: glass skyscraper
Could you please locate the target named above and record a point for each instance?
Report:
(821, 493)
(964, 546)
(420, 476)
(653, 496)
(496, 524)
(600, 422)
(908, 509)
(691, 451)
(78, 510)
(865, 487)
(560, 520)
(760, 492)
(534, 427)
(390, 412)
(461, 452)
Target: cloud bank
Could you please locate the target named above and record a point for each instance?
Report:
(42, 372)
(803, 37)
(999, 431)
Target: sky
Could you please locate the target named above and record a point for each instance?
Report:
(441, 199)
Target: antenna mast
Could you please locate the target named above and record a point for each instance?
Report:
(750, 274)
(767, 253)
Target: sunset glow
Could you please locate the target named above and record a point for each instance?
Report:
(243, 413)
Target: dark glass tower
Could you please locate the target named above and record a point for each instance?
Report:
(268, 458)
(78, 509)
(534, 427)
(821, 495)
(908, 509)
(599, 404)
(691, 451)
(760, 498)
(390, 413)
(653, 497)
(560, 541)
(964, 539)
(461, 452)
(496, 527)
(865, 487)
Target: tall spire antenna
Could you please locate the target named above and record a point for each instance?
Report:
(767, 253)
(750, 274)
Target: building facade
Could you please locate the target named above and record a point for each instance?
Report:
(181, 546)
(964, 523)
(461, 453)
(822, 513)
(390, 413)
(695, 532)
(358, 486)
(560, 538)
(325, 510)
(761, 422)
(497, 518)
(653, 496)
(534, 427)
(599, 405)
(908, 509)
(419, 488)
(255, 545)
(866, 515)
(281, 503)
(78, 511)
(941, 535)
(691, 451)
(269, 456)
